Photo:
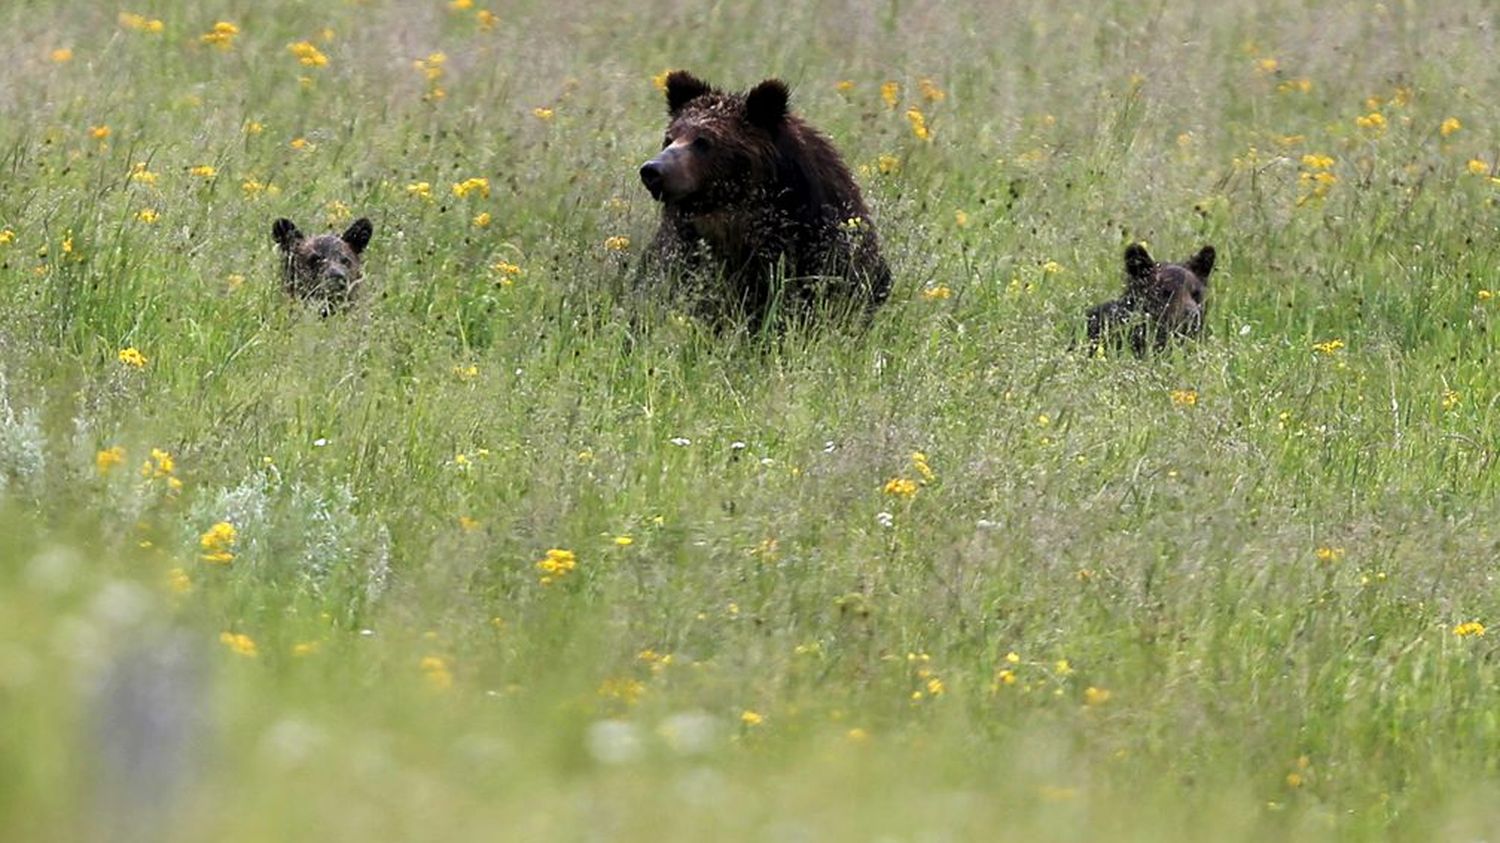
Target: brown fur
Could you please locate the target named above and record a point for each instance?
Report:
(326, 270)
(1162, 302)
(759, 213)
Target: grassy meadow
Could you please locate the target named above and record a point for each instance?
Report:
(497, 556)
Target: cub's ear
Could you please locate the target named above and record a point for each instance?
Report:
(1202, 263)
(766, 104)
(1138, 262)
(683, 88)
(285, 233)
(358, 234)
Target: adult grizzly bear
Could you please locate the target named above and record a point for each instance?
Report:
(760, 217)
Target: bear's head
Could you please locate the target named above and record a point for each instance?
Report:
(1173, 295)
(719, 147)
(325, 268)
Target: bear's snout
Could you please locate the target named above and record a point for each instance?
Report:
(653, 177)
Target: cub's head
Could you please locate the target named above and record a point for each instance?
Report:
(718, 146)
(1173, 295)
(324, 269)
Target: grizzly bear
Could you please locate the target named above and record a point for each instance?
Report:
(325, 270)
(1162, 302)
(760, 218)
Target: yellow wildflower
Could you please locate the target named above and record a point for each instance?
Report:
(254, 127)
(308, 55)
(472, 185)
(140, 23)
(751, 718)
(467, 524)
(217, 544)
(435, 671)
(1095, 696)
(900, 487)
(930, 91)
(919, 462)
(1302, 85)
(221, 36)
(1449, 126)
(99, 132)
(1185, 397)
(238, 643)
(486, 19)
(1374, 121)
(140, 174)
(624, 541)
(508, 271)
(1062, 668)
(132, 357)
(1314, 161)
(617, 243)
(109, 458)
(147, 215)
(888, 164)
(460, 5)
(659, 81)
(1484, 295)
(542, 114)
(1267, 65)
(178, 582)
(558, 563)
(1328, 346)
(1471, 628)
(1451, 399)
(918, 124)
(961, 218)
(1294, 780)
(203, 171)
(482, 219)
(936, 293)
(1052, 267)
(62, 55)
(1478, 167)
(890, 92)
(1329, 555)
(844, 86)
(420, 190)
(301, 144)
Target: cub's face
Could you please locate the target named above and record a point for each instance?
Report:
(326, 268)
(717, 145)
(1173, 295)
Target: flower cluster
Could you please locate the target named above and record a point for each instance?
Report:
(556, 565)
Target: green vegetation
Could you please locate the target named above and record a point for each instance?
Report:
(1241, 587)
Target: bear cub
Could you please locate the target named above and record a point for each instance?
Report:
(760, 216)
(324, 270)
(1162, 302)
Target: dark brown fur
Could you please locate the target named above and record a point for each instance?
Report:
(1162, 302)
(759, 213)
(325, 270)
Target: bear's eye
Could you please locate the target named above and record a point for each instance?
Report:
(701, 144)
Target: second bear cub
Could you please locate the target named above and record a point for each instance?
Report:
(325, 270)
(1162, 301)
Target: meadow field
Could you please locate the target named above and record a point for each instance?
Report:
(502, 555)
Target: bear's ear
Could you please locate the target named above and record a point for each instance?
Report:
(1202, 263)
(285, 233)
(1138, 262)
(358, 234)
(683, 88)
(765, 105)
